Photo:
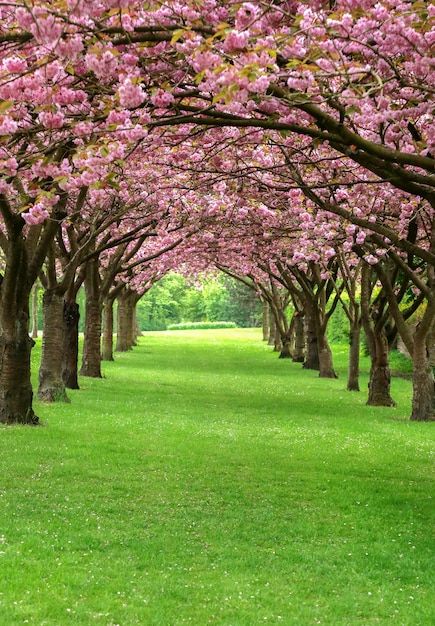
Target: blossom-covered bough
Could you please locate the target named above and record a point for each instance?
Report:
(184, 117)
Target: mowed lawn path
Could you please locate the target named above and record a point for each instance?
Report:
(204, 481)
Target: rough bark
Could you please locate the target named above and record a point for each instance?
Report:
(71, 317)
(107, 349)
(91, 362)
(298, 352)
(277, 344)
(353, 373)
(326, 367)
(16, 393)
(122, 336)
(285, 349)
(423, 392)
(380, 375)
(51, 384)
(311, 346)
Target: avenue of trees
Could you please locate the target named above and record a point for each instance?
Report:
(289, 145)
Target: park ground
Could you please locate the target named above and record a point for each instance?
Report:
(204, 481)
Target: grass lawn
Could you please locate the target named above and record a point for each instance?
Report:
(204, 481)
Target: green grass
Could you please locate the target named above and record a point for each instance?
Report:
(204, 481)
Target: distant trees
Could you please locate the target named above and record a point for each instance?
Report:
(213, 298)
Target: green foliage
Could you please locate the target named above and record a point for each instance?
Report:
(212, 298)
(205, 481)
(162, 305)
(201, 325)
(338, 326)
(400, 363)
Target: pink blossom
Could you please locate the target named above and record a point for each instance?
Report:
(37, 214)
(236, 41)
(51, 120)
(14, 65)
(8, 126)
(131, 95)
(162, 99)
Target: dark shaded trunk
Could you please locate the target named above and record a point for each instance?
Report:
(311, 346)
(91, 362)
(71, 318)
(272, 325)
(326, 367)
(107, 350)
(285, 349)
(380, 375)
(16, 393)
(353, 373)
(51, 384)
(35, 311)
(423, 392)
(298, 352)
(265, 321)
(277, 344)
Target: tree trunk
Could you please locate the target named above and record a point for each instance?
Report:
(380, 376)
(51, 385)
(122, 330)
(131, 338)
(311, 347)
(423, 393)
(107, 352)
(265, 321)
(353, 373)
(272, 324)
(277, 346)
(299, 339)
(16, 393)
(286, 338)
(71, 317)
(91, 362)
(285, 348)
(35, 311)
(326, 367)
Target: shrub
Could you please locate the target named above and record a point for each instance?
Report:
(201, 325)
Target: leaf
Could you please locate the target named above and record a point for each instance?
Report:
(178, 34)
(5, 105)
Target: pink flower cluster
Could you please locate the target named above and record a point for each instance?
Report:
(131, 95)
